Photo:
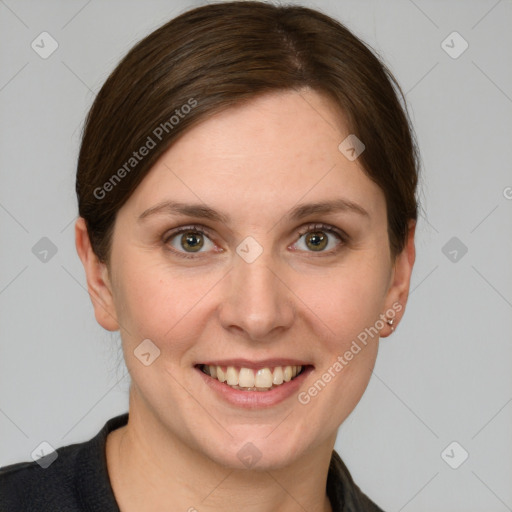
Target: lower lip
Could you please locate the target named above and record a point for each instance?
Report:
(256, 399)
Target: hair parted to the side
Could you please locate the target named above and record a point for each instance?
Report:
(219, 55)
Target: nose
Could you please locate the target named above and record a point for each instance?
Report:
(256, 300)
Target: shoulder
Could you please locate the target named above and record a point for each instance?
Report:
(343, 492)
(43, 485)
(72, 478)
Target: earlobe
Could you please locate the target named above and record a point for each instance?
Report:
(98, 282)
(398, 292)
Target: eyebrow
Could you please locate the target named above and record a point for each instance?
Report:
(205, 212)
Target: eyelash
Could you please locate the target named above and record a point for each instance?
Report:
(343, 237)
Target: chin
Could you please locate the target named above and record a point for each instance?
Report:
(249, 457)
(257, 450)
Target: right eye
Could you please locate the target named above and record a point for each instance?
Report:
(187, 240)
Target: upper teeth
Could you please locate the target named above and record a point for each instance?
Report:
(264, 378)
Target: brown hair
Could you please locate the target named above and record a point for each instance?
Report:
(219, 55)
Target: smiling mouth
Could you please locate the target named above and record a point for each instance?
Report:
(247, 379)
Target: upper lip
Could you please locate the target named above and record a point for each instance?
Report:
(255, 365)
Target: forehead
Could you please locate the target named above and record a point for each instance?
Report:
(276, 150)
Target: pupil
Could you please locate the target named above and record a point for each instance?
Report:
(318, 239)
(192, 241)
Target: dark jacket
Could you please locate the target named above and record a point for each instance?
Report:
(77, 480)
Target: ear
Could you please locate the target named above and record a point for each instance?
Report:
(98, 280)
(398, 292)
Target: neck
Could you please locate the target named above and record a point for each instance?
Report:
(149, 469)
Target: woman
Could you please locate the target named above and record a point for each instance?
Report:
(246, 187)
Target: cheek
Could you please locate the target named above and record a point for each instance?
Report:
(156, 301)
(346, 300)
(345, 312)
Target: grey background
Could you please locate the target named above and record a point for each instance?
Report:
(444, 376)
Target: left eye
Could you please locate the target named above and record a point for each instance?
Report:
(316, 239)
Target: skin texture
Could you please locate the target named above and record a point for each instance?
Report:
(255, 163)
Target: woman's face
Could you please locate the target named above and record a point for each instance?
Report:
(260, 280)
